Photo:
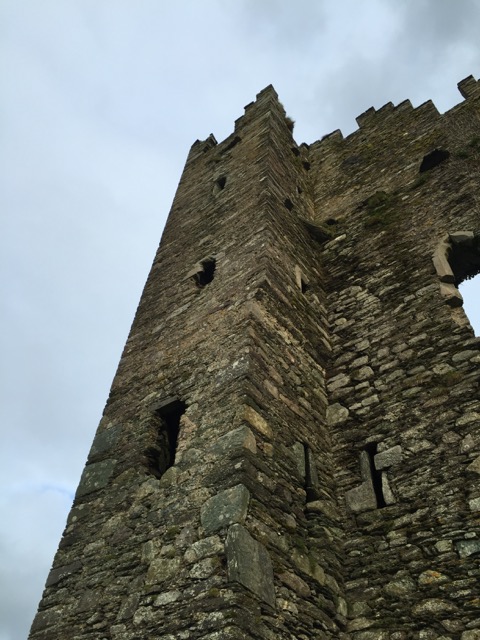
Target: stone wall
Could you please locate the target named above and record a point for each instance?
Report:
(290, 448)
(404, 377)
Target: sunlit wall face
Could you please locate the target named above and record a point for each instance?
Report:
(470, 290)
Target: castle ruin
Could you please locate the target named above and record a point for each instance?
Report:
(291, 445)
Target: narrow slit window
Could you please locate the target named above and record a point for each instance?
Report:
(289, 204)
(376, 475)
(161, 456)
(311, 479)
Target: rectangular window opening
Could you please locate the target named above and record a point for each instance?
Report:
(161, 456)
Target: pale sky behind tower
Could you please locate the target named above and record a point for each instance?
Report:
(100, 102)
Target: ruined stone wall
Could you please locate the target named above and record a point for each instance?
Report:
(290, 448)
(404, 378)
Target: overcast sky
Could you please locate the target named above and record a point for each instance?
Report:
(100, 102)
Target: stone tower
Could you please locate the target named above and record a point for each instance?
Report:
(291, 446)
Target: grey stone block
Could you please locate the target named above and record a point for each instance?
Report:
(467, 548)
(95, 476)
(336, 414)
(249, 564)
(226, 508)
(236, 441)
(388, 458)
(361, 498)
(58, 573)
(105, 440)
(452, 294)
(441, 264)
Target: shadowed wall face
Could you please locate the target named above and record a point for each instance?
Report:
(290, 446)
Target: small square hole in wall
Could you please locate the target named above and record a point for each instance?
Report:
(205, 275)
(219, 184)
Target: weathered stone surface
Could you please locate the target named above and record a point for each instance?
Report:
(474, 467)
(362, 498)
(433, 607)
(225, 508)
(474, 504)
(452, 295)
(249, 564)
(105, 440)
(204, 548)
(236, 441)
(388, 458)
(95, 476)
(59, 573)
(466, 548)
(295, 583)
(372, 634)
(257, 422)
(401, 586)
(336, 414)
(431, 577)
(161, 570)
(441, 263)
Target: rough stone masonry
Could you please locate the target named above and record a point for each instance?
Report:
(291, 445)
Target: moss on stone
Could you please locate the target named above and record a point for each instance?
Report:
(381, 209)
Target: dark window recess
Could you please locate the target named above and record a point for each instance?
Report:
(464, 259)
(376, 475)
(331, 221)
(310, 489)
(295, 151)
(220, 184)
(161, 456)
(289, 204)
(304, 286)
(433, 159)
(205, 275)
(306, 165)
(299, 190)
